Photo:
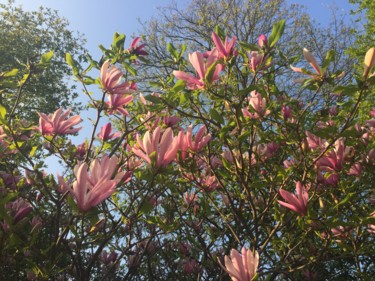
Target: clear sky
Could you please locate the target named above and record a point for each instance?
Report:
(99, 20)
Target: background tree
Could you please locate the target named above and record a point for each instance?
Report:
(24, 37)
(193, 23)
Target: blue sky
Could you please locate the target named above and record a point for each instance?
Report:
(99, 20)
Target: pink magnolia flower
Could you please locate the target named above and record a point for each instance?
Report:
(112, 80)
(58, 123)
(137, 49)
(259, 104)
(255, 60)
(201, 67)
(91, 189)
(241, 267)
(327, 179)
(226, 49)
(105, 133)
(117, 103)
(312, 61)
(334, 159)
(298, 202)
(191, 266)
(190, 200)
(170, 121)
(185, 141)
(163, 148)
(355, 169)
(286, 112)
(262, 41)
(80, 151)
(19, 209)
(314, 141)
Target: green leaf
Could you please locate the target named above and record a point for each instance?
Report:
(210, 72)
(118, 41)
(69, 60)
(329, 58)
(179, 86)
(33, 150)
(172, 50)
(216, 116)
(3, 112)
(11, 73)
(220, 32)
(346, 199)
(277, 31)
(129, 68)
(46, 58)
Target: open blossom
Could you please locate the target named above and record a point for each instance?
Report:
(19, 209)
(105, 133)
(255, 60)
(112, 80)
(259, 104)
(91, 189)
(58, 123)
(296, 202)
(201, 66)
(117, 103)
(226, 49)
(334, 159)
(241, 267)
(314, 141)
(163, 148)
(137, 49)
(185, 141)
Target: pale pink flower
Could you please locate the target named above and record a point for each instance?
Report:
(162, 148)
(117, 103)
(262, 41)
(91, 189)
(186, 143)
(112, 80)
(241, 267)
(58, 123)
(105, 133)
(259, 104)
(201, 66)
(255, 60)
(312, 61)
(296, 202)
(226, 49)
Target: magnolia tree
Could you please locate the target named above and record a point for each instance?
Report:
(217, 175)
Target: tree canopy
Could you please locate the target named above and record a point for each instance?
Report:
(24, 37)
